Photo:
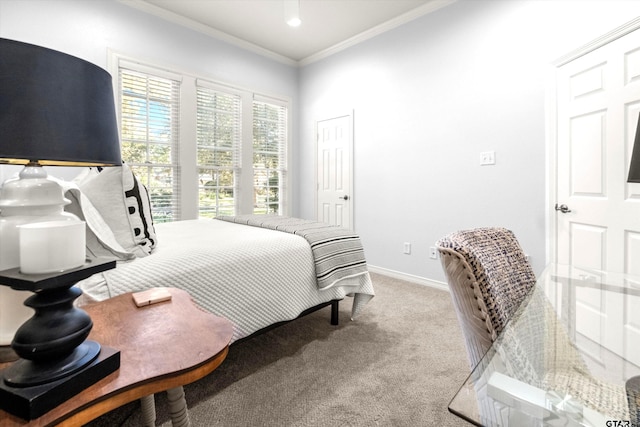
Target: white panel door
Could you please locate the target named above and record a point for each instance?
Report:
(334, 162)
(598, 102)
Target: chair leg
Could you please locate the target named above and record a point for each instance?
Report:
(148, 406)
(178, 408)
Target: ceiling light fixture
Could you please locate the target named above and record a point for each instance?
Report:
(292, 13)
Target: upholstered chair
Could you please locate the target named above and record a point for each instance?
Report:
(488, 277)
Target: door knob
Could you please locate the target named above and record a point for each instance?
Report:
(345, 197)
(563, 208)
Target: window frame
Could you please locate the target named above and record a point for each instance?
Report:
(188, 170)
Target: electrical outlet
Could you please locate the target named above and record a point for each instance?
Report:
(433, 253)
(407, 248)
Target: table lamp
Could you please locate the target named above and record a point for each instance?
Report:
(56, 110)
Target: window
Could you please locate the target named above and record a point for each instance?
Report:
(202, 148)
(149, 129)
(269, 155)
(218, 151)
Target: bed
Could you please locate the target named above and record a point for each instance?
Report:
(256, 277)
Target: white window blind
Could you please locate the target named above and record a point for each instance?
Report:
(219, 140)
(269, 155)
(202, 148)
(150, 119)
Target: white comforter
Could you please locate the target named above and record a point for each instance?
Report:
(252, 276)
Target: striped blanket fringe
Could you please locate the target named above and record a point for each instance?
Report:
(337, 252)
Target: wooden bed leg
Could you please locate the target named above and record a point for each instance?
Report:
(334, 312)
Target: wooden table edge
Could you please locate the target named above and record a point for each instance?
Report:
(115, 400)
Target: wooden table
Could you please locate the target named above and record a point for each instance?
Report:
(163, 347)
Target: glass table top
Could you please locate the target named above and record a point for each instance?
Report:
(570, 356)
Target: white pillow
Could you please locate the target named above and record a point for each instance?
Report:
(123, 202)
(100, 239)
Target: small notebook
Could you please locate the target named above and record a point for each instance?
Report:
(151, 296)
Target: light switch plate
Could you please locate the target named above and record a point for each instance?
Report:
(488, 158)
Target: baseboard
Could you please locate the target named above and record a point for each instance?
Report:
(409, 277)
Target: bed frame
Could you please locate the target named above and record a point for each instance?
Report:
(334, 319)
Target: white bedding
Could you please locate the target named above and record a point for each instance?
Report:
(252, 276)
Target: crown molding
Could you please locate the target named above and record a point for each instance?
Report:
(607, 38)
(425, 9)
(204, 29)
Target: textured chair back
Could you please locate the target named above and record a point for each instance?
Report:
(488, 277)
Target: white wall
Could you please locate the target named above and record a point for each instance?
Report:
(89, 28)
(428, 98)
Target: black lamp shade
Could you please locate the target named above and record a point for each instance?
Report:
(634, 166)
(55, 109)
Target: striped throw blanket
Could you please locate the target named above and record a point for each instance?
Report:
(337, 252)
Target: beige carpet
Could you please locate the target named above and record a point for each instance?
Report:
(397, 364)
